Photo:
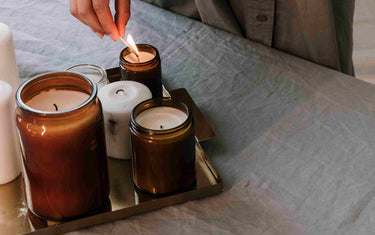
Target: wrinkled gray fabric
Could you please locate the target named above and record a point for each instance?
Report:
(295, 140)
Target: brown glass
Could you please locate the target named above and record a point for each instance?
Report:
(63, 152)
(147, 73)
(163, 160)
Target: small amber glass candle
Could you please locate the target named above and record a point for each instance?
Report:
(145, 69)
(162, 135)
(61, 131)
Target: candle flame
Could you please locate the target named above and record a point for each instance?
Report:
(131, 42)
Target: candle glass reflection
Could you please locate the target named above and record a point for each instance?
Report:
(163, 150)
(145, 69)
(63, 150)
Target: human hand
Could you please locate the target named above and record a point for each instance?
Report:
(97, 15)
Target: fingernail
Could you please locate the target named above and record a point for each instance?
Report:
(99, 35)
(113, 36)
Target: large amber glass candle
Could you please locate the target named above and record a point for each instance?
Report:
(162, 135)
(145, 69)
(60, 125)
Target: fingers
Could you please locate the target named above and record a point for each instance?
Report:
(103, 13)
(82, 10)
(122, 16)
(88, 16)
(97, 15)
(73, 8)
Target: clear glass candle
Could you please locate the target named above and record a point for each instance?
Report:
(94, 72)
(162, 135)
(145, 69)
(61, 130)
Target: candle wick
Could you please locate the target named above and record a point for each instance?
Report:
(120, 91)
(56, 107)
(161, 127)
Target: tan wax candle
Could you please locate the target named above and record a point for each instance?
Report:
(64, 154)
(57, 100)
(161, 118)
(144, 56)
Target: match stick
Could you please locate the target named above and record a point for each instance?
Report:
(130, 47)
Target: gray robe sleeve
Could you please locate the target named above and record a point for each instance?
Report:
(319, 31)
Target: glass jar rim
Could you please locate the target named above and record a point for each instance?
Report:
(94, 66)
(43, 76)
(160, 102)
(124, 61)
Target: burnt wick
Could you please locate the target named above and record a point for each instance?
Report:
(56, 107)
(121, 91)
(161, 127)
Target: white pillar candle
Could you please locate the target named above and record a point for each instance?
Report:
(57, 100)
(144, 56)
(161, 118)
(9, 158)
(118, 100)
(8, 65)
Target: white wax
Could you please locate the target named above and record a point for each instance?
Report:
(62, 99)
(9, 72)
(9, 158)
(8, 65)
(144, 56)
(161, 118)
(118, 100)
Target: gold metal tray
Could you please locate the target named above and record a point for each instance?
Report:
(125, 201)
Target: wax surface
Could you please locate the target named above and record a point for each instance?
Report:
(143, 57)
(123, 96)
(63, 99)
(161, 118)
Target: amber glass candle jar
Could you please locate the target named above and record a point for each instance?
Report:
(145, 69)
(60, 124)
(162, 135)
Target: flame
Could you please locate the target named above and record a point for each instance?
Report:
(130, 40)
